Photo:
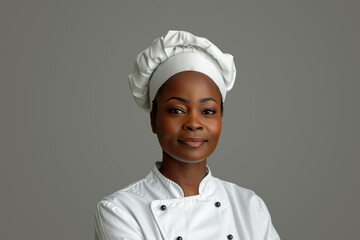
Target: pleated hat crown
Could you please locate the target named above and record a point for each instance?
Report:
(176, 52)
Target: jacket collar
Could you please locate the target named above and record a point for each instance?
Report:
(169, 189)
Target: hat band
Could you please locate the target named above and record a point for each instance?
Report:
(188, 61)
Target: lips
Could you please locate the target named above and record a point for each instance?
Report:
(192, 142)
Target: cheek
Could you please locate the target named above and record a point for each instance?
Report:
(216, 128)
(167, 128)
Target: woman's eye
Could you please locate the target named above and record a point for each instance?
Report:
(209, 112)
(175, 110)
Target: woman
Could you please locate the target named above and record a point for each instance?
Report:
(182, 80)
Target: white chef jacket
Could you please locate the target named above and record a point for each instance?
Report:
(155, 208)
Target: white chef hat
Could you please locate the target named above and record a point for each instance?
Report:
(176, 52)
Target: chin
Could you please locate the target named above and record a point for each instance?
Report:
(190, 158)
(188, 155)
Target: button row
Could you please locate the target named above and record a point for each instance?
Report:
(217, 204)
(163, 207)
(228, 237)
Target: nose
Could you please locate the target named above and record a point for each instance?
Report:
(193, 123)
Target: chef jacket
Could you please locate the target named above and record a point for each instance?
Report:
(155, 208)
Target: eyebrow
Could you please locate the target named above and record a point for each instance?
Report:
(186, 101)
(179, 99)
(207, 99)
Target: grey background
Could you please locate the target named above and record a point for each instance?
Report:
(71, 134)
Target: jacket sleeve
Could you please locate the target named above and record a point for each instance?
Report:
(267, 227)
(113, 223)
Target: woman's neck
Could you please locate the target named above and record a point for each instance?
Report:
(187, 175)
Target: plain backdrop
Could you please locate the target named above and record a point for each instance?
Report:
(70, 132)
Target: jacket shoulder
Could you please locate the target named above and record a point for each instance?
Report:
(235, 189)
(129, 193)
(241, 195)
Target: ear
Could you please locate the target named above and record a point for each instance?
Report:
(153, 122)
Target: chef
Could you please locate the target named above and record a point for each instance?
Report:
(182, 81)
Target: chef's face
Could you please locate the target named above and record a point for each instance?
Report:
(188, 117)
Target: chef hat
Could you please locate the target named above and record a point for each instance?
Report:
(176, 52)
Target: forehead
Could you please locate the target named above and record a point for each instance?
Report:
(189, 84)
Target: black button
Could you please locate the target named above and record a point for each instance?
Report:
(217, 204)
(179, 238)
(163, 207)
(230, 236)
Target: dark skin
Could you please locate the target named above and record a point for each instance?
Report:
(187, 121)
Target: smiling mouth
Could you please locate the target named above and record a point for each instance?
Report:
(192, 142)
